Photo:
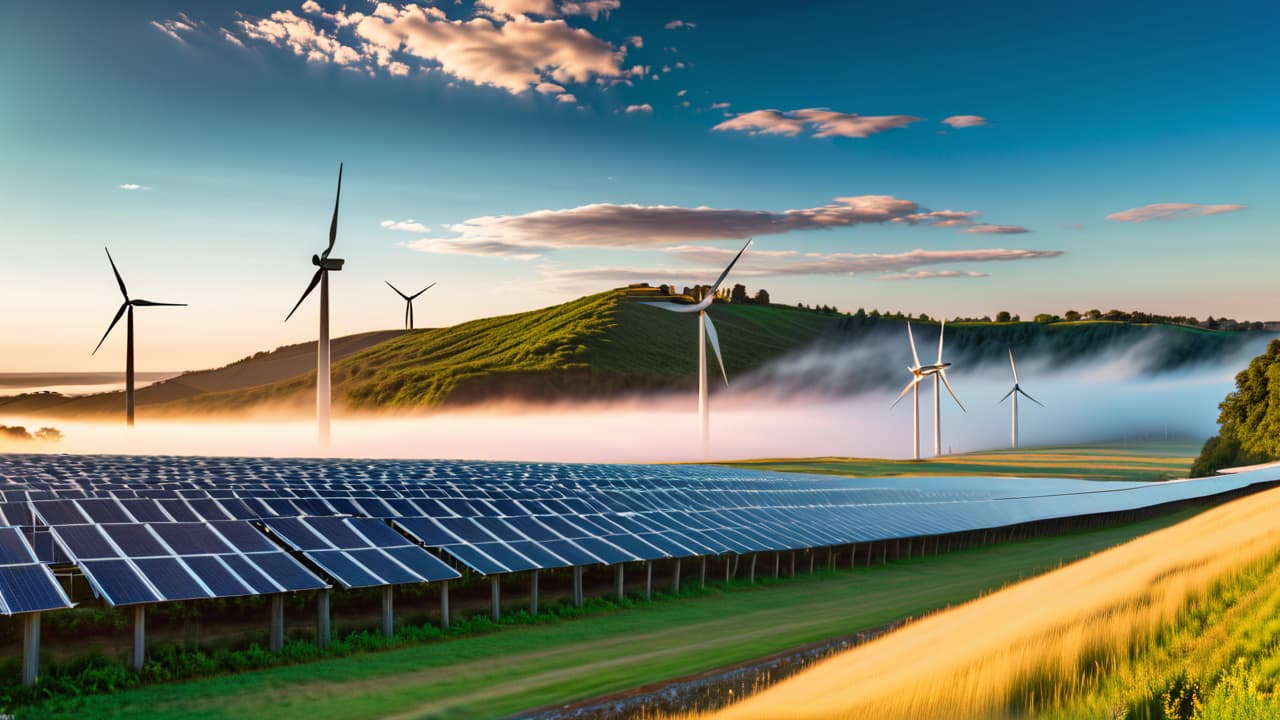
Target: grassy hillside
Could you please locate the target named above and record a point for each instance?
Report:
(607, 345)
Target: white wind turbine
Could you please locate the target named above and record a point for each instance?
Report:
(1014, 393)
(918, 373)
(324, 265)
(706, 330)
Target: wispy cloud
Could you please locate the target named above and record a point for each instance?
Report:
(995, 230)
(607, 225)
(176, 26)
(133, 186)
(932, 275)
(645, 108)
(965, 121)
(409, 225)
(515, 45)
(1171, 211)
(679, 24)
(817, 122)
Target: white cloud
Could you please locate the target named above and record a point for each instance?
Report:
(645, 108)
(995, 230)
(397, 68)
(719, 105)
(547, 88)
(677, 24)
(409, 225)
(649, 226)
(681, 93)
(965, 121)
(593, 9)
(176, 26)
(133, 186)
(226, 35)
(932, 275)
(567, 98)
(1171, 211)
(818, 122)
(502, 47)
(635, 41)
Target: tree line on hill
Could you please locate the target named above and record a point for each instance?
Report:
(1248, 418)
(18, 433)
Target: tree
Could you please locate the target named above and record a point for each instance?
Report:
(1045, 318)
(762, 297)
(1249, 417)
(1094, 314)
(1003, 316)
(48, 434)
(738, 296)
(1072, 316)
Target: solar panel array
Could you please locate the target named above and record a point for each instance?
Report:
(364, 523)
(26, 585)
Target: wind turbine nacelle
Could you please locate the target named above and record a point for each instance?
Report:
(327, 263)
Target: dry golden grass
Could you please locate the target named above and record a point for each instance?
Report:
(1039, 644)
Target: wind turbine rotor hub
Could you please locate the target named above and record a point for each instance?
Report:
(329, 263)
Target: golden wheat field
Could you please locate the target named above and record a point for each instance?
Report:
(1046, 644)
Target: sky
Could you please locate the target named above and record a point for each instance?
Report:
(952, 159)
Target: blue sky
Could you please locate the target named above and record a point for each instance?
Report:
(504, 130)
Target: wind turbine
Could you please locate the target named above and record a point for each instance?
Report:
(408, 302)
(1014, 393)
(706, 330)
(127, 308)
(324, 265)
(918, 373)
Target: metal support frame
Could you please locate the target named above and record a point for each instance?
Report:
(777, 563)
(388, 612)
(30, 648)
(675, 578)
(324, 631)
(495, 598)
(577, 586)
(648, 580)
(444, 605)
(619, 581)
(275, 634)
(702, 574)
(533, 593)
(138, 657)
(811, 554)
(751, 569)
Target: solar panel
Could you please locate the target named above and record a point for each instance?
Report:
(360, 552)
(26, 585)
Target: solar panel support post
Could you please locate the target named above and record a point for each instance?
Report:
(619, 581)
(444, 605)
(577, 586)
(777, 564)
(648, 580)
(811, 554)
(533, 593)
(853, 556)
(388, 612)
(728, 565)
(30, 648)
(495, 598)
(323, 632)
(751, 570)
(139, 656)
(793, 563)
(275, 639)
(675, 578)
(702, 574)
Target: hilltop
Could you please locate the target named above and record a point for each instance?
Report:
(607, 346)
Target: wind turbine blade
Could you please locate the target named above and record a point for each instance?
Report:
(675, 307)
(393, 287)
(1006, 395)
(910, 384)
(119, 280)
(943, 374)
(116, 319)
(1025, 395)
(415, 295)
(942, 330)
(1014, 366)
(715, 344)
(725, 274)
(912, 338)
(315, 280)
(148, 303)
(333, 226)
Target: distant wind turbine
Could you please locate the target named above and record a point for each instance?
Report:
(408, 302)
(324, 265)
(1014, 393)
(127, 308)
(918, 373)
(706, 330)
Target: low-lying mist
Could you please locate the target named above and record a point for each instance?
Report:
(798, 406)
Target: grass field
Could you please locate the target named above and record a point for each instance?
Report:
(523, 666)
(1128, 461)
(1177, 624)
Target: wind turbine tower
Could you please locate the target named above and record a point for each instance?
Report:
(408, 302)
(1014, 393)
(324, 265)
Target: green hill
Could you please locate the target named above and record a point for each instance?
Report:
(608, 346)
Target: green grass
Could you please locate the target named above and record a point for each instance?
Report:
(523, 666)
(1147, 461)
